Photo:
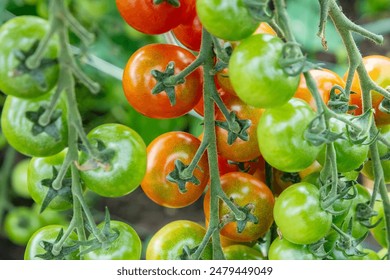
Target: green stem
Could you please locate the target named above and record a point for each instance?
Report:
(188, 172)
(58, 246)
(5, 173)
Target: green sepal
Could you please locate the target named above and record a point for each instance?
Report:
(65, 191)
(36, 74)
(48, 247)
(174, 3)
(339, 102)
(176, 177)
(238, 131)
(188, 252)
(249, 217)
(384, 106)
(364, 121)
(318, 249)
(50, 129)
(259, 10)
(364, 213)
(317, 134)
(164, 83)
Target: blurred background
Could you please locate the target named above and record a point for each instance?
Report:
(104, 60)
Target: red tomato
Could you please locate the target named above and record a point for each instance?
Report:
(138, 82)
(150, 18)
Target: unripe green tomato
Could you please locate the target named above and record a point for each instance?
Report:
(242, 252)
(19, 179)
(282, 249)
(379, 232)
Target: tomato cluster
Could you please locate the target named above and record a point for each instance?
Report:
(275, 165)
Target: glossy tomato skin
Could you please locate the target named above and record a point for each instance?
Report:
(244, 188)
(149, 18)
(41, 168)
(226, 20)
(378, 68)
(127, 246)
(299, 215)
(49, 234)
(367, 170)
(20, 34)
(138, 82)
(162, 153)
(168, 242)
(242, 252)
(127, 166)
(17, 128)
(256, 75)
(189, 33)
(280, 134)
(325, 80)
(282, 249)
(20, 224)
(240, 150)
(349, 156)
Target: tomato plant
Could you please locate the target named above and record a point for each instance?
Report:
(138, 82)
(163, 155)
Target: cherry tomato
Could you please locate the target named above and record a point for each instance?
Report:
(28, 138)
(162, 153)
(250, 167)
(280, 134)
(349, 156)
(299, 215)
(325, 80)
(138, 82)
(228, 20)
(126, 246)
(48, 234)
(19, 178)
(20, 223)
(239, 150)
(282, 249)
(241, 252)
(41, 173)
(256, 74)
(244, 188)
(189, 33)
(149, 18)
(122, 172)
(378, 68)
(18, 37)
(168, 243)
(383, 150)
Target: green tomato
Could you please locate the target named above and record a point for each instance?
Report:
(122, 172)
(242, 252)
(282, 249)
(349, 156)
(379, 232)
(256, 74)
(19, 179)
(280, 134)
(228, 20)
(26, 136)
(383, 150)
(40, 171)
(299, 215)
(127, 245)
(168, 243)
(48, 234)
(17, 37)
(20, 223)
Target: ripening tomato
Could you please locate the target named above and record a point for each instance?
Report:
(240, 150)
(299, 215)
(138, 81)
(162, 153)
(378, 68)
(280, 134)
(243, 189)
(150, 18)
(325, 80)
(168, 243)
(256, 74)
